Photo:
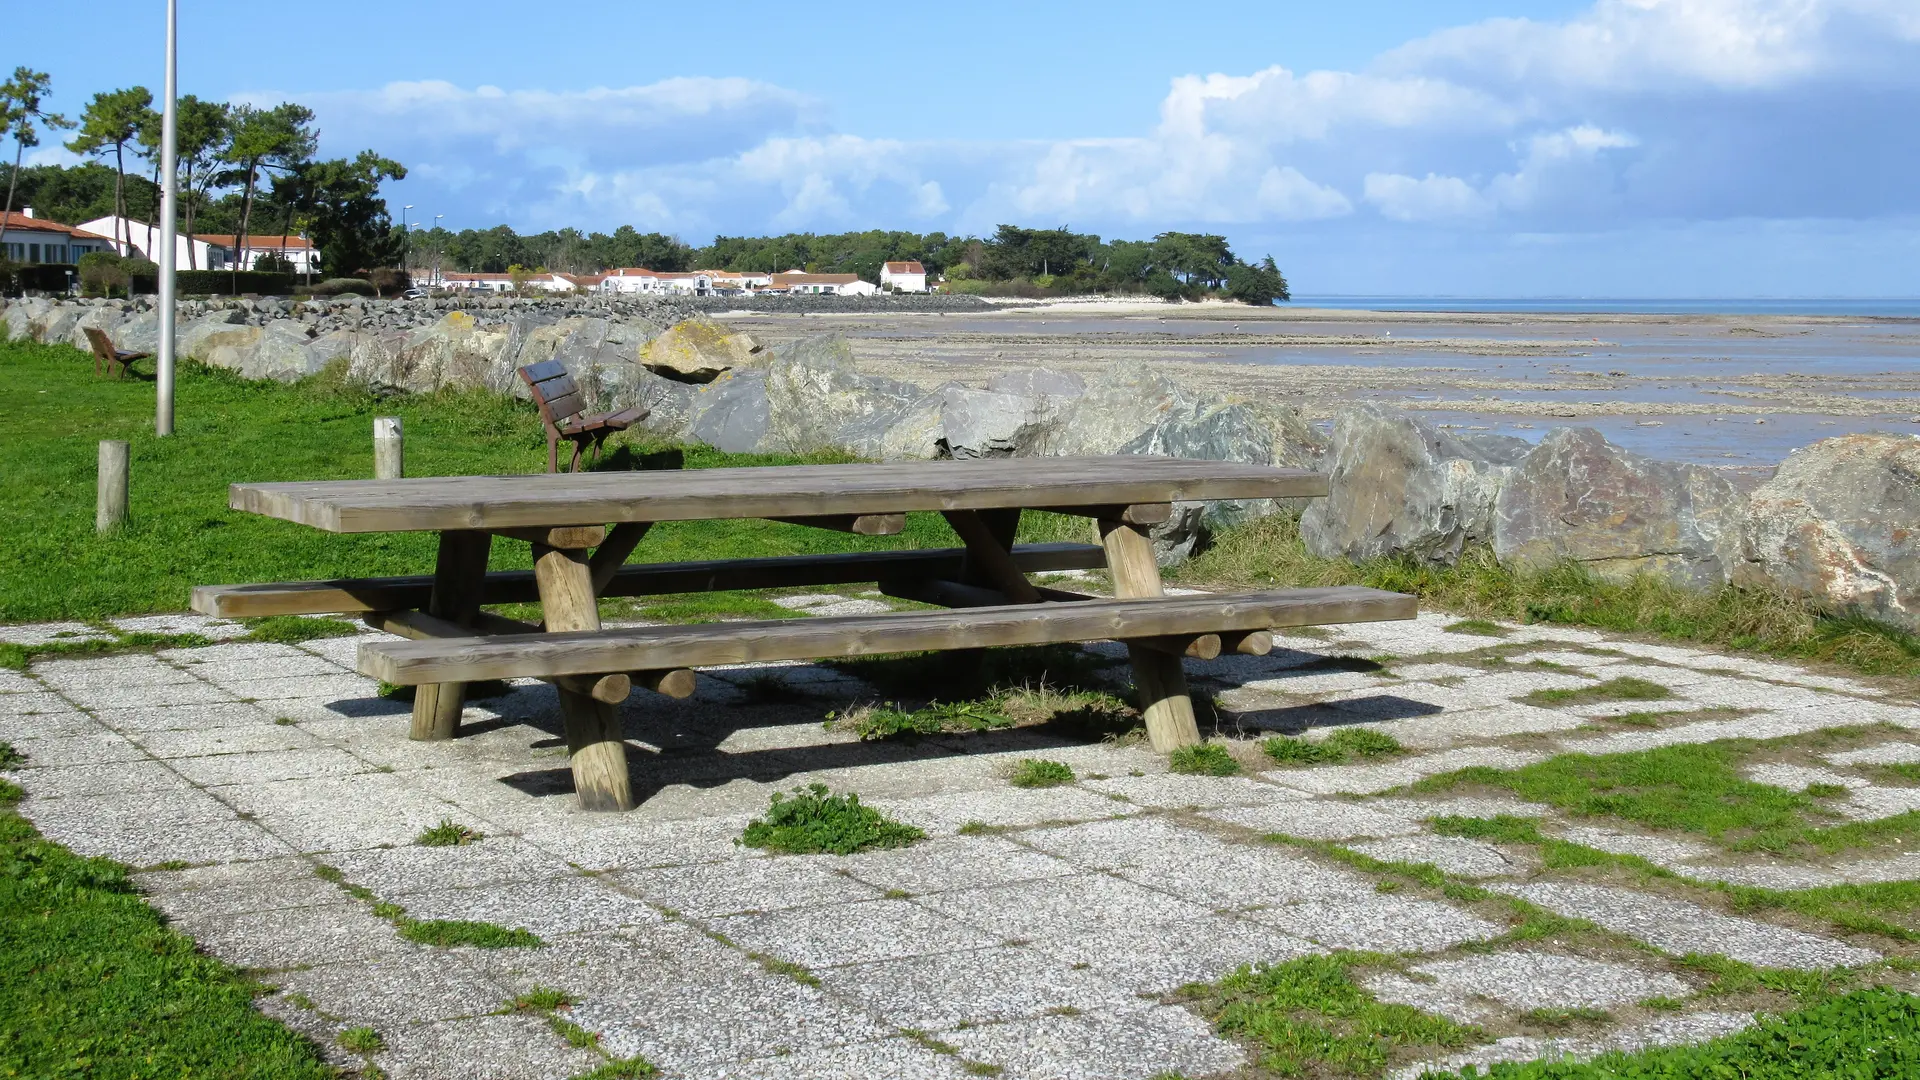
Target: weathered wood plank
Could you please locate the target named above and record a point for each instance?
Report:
(706, 645)
(1137, 514)
(356, 595)
(420, 626)
(1159, 678)
(858, 524)
(459, 575)
(598, 755)
(496, 502)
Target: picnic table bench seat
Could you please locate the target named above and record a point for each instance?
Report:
(352, 596)
(473, 658)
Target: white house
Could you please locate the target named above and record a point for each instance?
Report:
(36, 240)
(798, 283)
(476, 281)
(141, 240)
(297, 250)
(903, 277)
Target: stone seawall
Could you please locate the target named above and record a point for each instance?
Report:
(1839, 522)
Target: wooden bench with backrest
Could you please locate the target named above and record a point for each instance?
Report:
(107, 357)
(563, 411)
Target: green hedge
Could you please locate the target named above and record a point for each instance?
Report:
(37, 277)
(228, 283)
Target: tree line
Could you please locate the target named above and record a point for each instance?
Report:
(1059, 261)
(242, 169)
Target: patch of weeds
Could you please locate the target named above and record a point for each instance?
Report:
(1204, 759)
(480, 935)
(1907, 772)
(633, 1068)
(1478, 627)
(361, 1040)
(1732, 976)
(1499, 829)
(285, 721)
(1564, 1018)
(897, 894)
(1337, 748)
(974, 828)
(294, 629)
(1624, 688)
(1418, 873)
(1888, 908)
(812, 820)
(11, 758)
(1825, 791)
(449, 833)
(577, 1037)
(776, 966)
(1309, 1017)
(1039, 773)
(979, 1068)
(888, 721)
(1662, 1003)
(930, 1042)
(542, 999)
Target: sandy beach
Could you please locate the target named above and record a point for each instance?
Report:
(1731, 390)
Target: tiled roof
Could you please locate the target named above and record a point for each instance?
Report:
(905, 268)
(255, 242)
(21, 222)
(815, 279)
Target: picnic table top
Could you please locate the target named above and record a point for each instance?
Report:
(597, 498)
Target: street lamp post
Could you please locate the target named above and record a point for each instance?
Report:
(406, 237)
(436, 248)
(169, 208)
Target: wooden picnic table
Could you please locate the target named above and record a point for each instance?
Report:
(583, 527)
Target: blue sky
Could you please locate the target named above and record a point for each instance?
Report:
(1463, 147)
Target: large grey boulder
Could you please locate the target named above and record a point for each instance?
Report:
(815, 393)
(956, 422)
(191, 336)
(1840, 522)
(103, 318)
(1398, 486)
(284, 353)
(1578, 497)
(139, 333)
(56, 323)
(1038, 383)
(21, 314)
(1115, 409)
(698, 349)
(730, 413)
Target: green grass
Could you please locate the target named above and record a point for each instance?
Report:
(888, 721)
(1335, 749)
(1268, 553)
(1479, 627)
(1308, 1017)
(1205, 759)
(542, 999)
(1036, 773)
(448, 933)
(1557, 1019)
(812, 820)
(449, 833)
(361, 1040)
(11, 758)
(96, 987)
(1865, 1034)
(1625, 688)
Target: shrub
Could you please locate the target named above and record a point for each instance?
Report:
(101, 274)
(812, 820)
(229, 283)
(390, 282)
(1206, 759)
(339, 285)
(1034, 773)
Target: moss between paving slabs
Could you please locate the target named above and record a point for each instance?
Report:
(96, 987)
(444, 933)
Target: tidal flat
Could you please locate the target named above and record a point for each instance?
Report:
(1738, 391)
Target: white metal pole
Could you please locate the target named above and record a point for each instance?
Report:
(169, 212)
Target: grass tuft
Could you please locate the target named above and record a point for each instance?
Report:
(1625, 688)
(1480, 627)
(1309, 1017)
(1205, 759)
(1335, 749)
(1038, 773)
(812, 820)
(542, 999)
(449, 833)
(361, 1040)
(479, 935)
(11, 758)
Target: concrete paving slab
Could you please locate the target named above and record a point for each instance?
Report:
(1892, 753)
(146, 695)
(344, 813)
(1663, 850)
(1528, 979)
(1450, 854)
(236, 888)
(252, 738)
(112, 778)
(1368, 779)
(1320, 819)
(1160, 958)
(1109, 845)
(549, 907)
(954, 862)
(1219, 875)
(92, 747)
(414, 986)
(394, 873)
(895, 1059)
(1679, 927)
(593, 842)
(1000, 805)
(731, 888)
(1378, 923)
(48, 633)
(828, 936)
(941, 992)
(292, 937)
(700, 1027)
(13, 682)
(1059, 907)
(201, 717)
(219, 770)
(482, 1048)
(1176, 791)
(1107, 1045)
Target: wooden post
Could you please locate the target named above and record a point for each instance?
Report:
(389, 448)
(1162, 682)
(593, 727)
(110, 502)
(459, 575)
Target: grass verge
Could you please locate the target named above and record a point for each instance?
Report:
(97, 987)
(1336, 749)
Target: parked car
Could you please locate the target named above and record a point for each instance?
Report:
(415, 294)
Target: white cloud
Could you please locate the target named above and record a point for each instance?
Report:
(1436, 198)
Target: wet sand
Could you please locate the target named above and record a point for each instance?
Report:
(1731, 390)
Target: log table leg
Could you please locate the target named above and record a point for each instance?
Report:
(459, 575)
(594, 744)
(1162, 682)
